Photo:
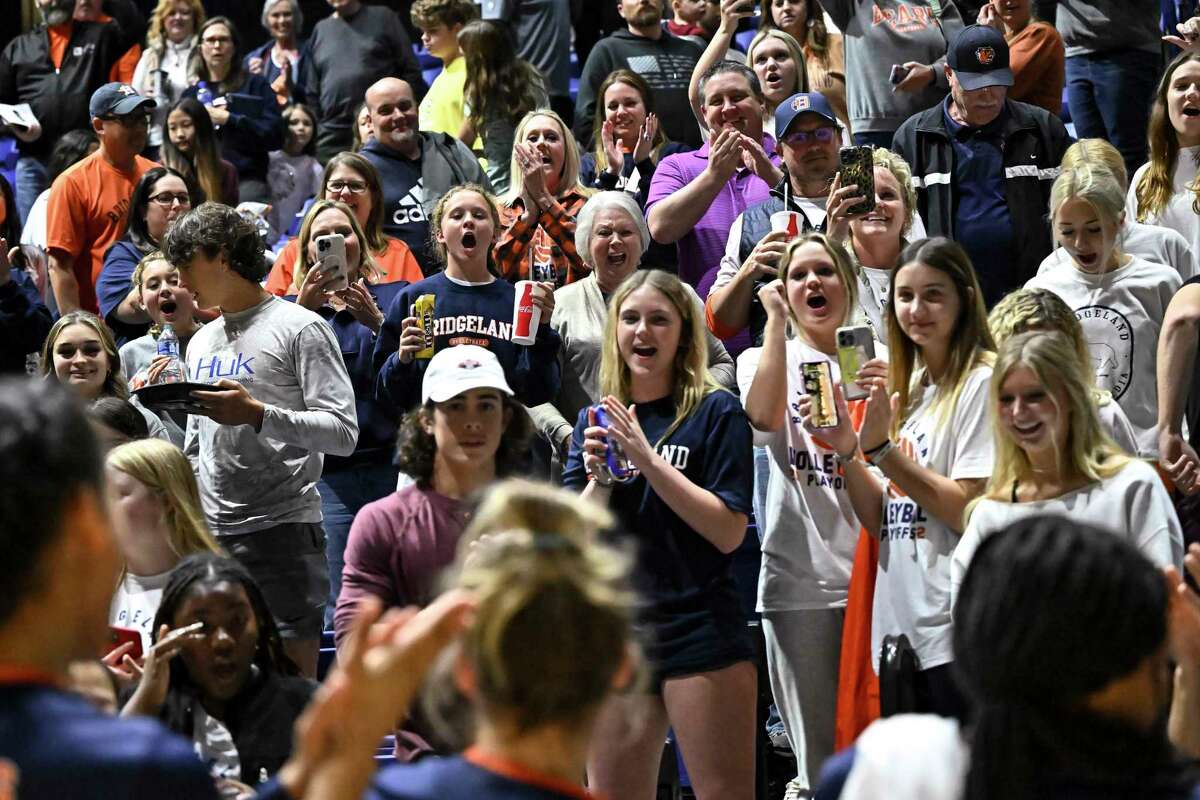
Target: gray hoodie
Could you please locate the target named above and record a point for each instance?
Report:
(880, 33)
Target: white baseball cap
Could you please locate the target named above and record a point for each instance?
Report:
(459, 369)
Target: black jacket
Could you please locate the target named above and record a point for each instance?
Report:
(1033, 143)
(60, 98)
(24, 322)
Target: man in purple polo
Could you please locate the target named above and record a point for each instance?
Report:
(695, 197)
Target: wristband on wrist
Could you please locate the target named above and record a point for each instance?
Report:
(844, 459)
(877, 454)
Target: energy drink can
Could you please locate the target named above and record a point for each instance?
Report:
(617, 463)
(423, 311)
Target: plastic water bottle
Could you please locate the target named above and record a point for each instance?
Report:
(204, 94)
(168, 345)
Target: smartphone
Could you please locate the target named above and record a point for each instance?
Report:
(818, 384)
(118, 636)
(858, 168)
(855, 347)
(898, 74)
(331, 255)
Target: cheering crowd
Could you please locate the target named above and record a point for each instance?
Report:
(447, 399)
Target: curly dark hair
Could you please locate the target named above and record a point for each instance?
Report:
(416, 447)
(215, 229)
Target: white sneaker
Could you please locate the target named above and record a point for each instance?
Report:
(794, 791)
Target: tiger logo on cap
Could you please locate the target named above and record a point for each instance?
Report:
(801, 103)
(985, 55)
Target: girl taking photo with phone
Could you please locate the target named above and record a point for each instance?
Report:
(685, 511)
(809, 527)
(930, 434)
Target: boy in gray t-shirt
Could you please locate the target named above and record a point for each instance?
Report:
(281, 398)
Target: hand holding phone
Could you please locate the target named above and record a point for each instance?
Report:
(855, 347)
(858, 169)
(898, 74)
(331, 255)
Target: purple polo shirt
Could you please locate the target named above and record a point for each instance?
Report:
(702, 248)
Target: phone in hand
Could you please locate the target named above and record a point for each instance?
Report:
(118, 636)
(858, 169)
(855, 347)
(898, 74)
(331, 255)
(818, 385)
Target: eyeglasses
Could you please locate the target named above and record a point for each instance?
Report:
(216, 40)
(822, 135)
(129, 120)
(353, 187)
(168, 199)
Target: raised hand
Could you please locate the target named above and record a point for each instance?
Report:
(612, 147)
(645, 142)
(774, 300)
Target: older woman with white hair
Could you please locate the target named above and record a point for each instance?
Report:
(283, 61)
(610, 235)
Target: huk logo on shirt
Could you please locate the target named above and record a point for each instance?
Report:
(904, 18)
(1110, 342)
(210, 368)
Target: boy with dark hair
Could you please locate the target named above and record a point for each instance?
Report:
(281, 398)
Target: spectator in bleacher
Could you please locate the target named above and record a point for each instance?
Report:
(351, 50)
(542, 31)
(73, 146)
(644, 47)
(683, 513)
(352, 180)
(695, 197)
(439, 22)
(538, 210)
(880, 35)
(809, 527)
(56, 541)
(471, 305)
(1113, 58)
(294, 174)
(160, 197)
(81, 353)
(54, 68)
(171, 60)
(1154, 243)
(116, 422)
(355, 314)
(163, 301)
(611, 236)
(686, 16)
(415, 167)
(191, 148)
(230, 687)
(500, 90)
(283, 61)
(157, 521)
(362, 127)
(24, 318)
(1163, 190)
(467, 432)
(824, 52)
(88, 202)
(983, 165)
(243, 108)
(122, 70)
(1054, 458)
(1036, 53)
(280, 397)
(1027, 310)
(810, 136)
(774, 55)
(933, 444)
(551, 644)
(1121, 299)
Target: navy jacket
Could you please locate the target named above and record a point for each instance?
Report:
(114, 283)
(24, 322)
(248, 138)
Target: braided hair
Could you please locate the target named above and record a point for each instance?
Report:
(1050, 612)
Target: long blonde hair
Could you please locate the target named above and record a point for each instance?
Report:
(1096, 186)
(1156, 186)
(842, 266)
(794, 48)
(366, 267)
(971, 343)
(1097, 152)
(165, 469)
(691, 380)
(570, 169)
(1088, 450)
(115, 384)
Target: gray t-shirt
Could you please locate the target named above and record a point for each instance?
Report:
(1097, 26)
(542, 30)
(288, 359)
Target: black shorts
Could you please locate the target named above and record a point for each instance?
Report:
(288, 564)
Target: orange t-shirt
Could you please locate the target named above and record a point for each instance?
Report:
(122, 70)
(60, 37)
(86, 214)
(397, 263)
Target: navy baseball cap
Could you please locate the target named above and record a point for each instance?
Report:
(117, 100)
(979, 58)
(802, 103)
